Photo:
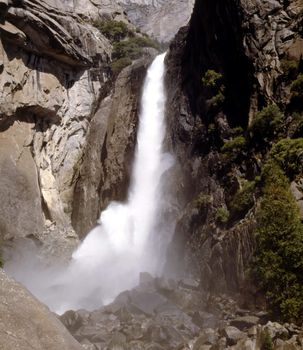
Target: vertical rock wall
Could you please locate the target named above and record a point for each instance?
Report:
(67, 129)
(245, 42)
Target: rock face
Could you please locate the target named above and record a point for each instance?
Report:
(26, 324)
(110, 147)
(246, 43)
(160, 19)
(66, 141)
(168, 314)
(49, 84)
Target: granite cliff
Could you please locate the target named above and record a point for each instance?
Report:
(56, 87)
(236, 64)
(67, 133)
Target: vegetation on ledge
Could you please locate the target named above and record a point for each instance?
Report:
(267, 124)
(113, 30)
(127, 44)
(278, 265)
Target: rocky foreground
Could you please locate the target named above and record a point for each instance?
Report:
(166, 314)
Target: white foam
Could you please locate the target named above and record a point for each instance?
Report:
(125, 243)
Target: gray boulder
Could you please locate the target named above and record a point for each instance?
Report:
(233, 335)
(26, 324)
(245, 322)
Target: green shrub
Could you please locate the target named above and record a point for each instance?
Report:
(212, 79)
(145, 41)
(222, 215)
(237, 131)
(288, 154)
(267, 123)
(243, 199)
(120, 64)
(289, 68)
(297, 86)
(297, 124)
(266, 341)
(113, 30)
(202, 200)
(233, 148)
(217, 100)
(278, 265)
(296, 104)
(132, 47)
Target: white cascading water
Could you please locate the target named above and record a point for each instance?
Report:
(123, 244)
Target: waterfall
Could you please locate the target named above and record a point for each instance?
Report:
(125, 242)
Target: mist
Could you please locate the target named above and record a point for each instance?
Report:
(130, 237)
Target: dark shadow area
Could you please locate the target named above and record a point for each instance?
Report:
(42, 118)
(215, 42)
(66, 75)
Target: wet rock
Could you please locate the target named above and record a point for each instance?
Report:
(233, 335)
(276, 330)
(190, 283)
(146, 278)
(287, 344)
(245, 344)
(252, 332)
(221, 344)
(72, 320)
(146, 302)
(207, 337)
(118, 342)
(245, 322)
(88, 345)
(204, 319)
(165, 285)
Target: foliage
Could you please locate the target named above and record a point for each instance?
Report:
(288, 154)
(132, 47)
(237, 131)
(232, 148)
(113, 30)
(202, 200)
(297, 86)
(127, 45)
(289, 68)
(222, 215)
(267, 123)
(120, 64)
(278, 265)
(243, 199)
(266, 341)
(297, 124)
(217, 100)
(213, 81)
(127, 50)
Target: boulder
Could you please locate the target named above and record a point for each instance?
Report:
(146, 302)
(276, 330)
(204, 319)
(26, 324)
(233, 335)
(207, 337)
(245, 322)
